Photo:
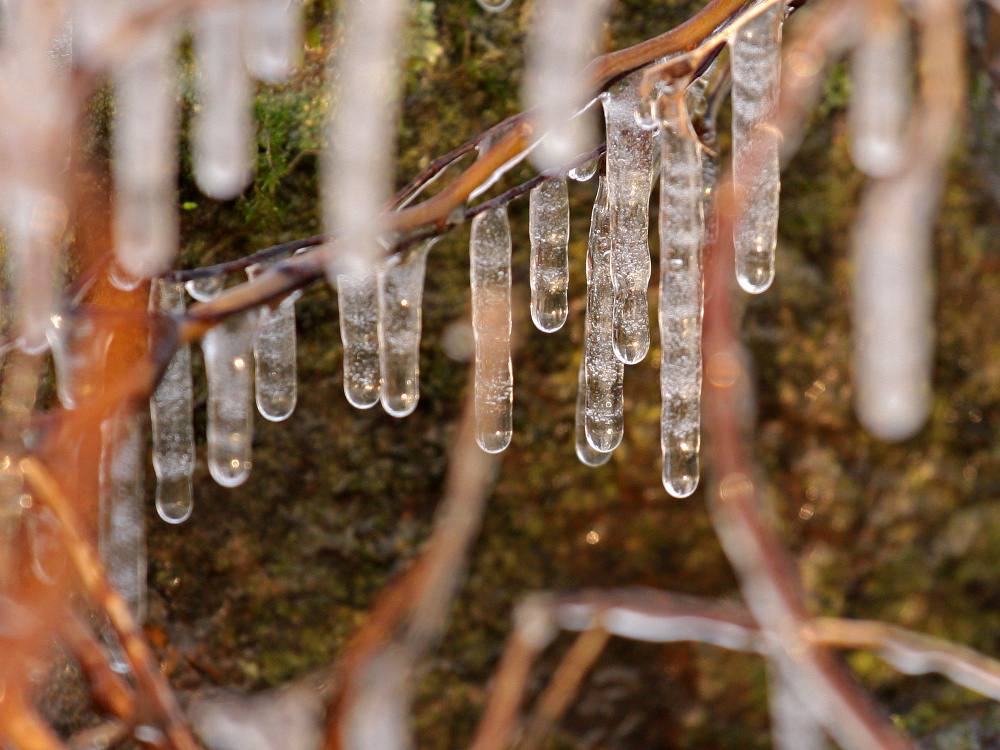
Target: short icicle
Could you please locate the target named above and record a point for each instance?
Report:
(272, 33)
(756, 67)
(401, 293)
(228, 348)
(489, 251)
(584, 450)
(682, 229)
(122, 531)
(549, 276)
(222, 128)
(357, 296)
(170, 412)
(274, 354)
(604, 373)
(630, 172)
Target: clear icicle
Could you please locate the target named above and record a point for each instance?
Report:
(222, 130)
(170, 411)
(357, 296)
(400, 303)
(560, 45)
(584, 450)
(585, 171)
(122, 541)
(756, 65)
(681, 236)
(630, 171)
(893, 304)
(604, 373)
(271, 33)
(362, 131)
(489, 256)
(145, 156)
(880, 88)
(275, 355)
(228, 348)
(549, 231)
(79, 351)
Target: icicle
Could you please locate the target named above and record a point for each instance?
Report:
(205, 289)
(228, 348)
(893, 305)
(272, 31)
(630, 171)
(494, 6)
(222, 130)
(489, 255)
(145, 156)
(358, 299)
(604, 372)
(681, 236)
(549, 229)
(401, 293)
(122, 530)
(584, 450)
(79, 351)
(361, 133)
(880, 90)
(560, 45)
(756, 64)
(585, 171)
(170, 411)
(274, 354)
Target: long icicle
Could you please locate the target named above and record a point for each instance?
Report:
(400, 301)
(170, 410)
(144, 143)
(122, 528)
(274, 354)
(630, 172)
(584, 450)
(489, 256)
(756, 65)
(604, 373)
(548, 221)
(222, 128)
(682, 229)
(272, 32)
(228, 349)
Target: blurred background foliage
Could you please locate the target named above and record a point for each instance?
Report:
(265, 581)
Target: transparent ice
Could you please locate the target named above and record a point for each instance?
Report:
(489, 257)
(755, 51)
(357, 296)
(549, 263)
(584, 450)
(170, 411)
(274, 355)
(630, 172)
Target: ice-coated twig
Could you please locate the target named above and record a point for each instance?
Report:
(222, 129)
(274, 354)
(122, 530)
(630, 172)
(604, 373)
(755, 51)
(271, 37)
(792, 728)
(144, 156)
(400, 303)
(548, 221)
(361, 132)
(489, 258)
(170, 411)
(880, 90)
(228, 349)
(357, 298)
(560, 43)
(682, 230)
